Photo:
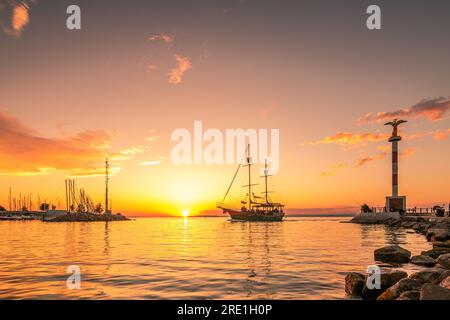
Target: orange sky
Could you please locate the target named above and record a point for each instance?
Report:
(119, 87)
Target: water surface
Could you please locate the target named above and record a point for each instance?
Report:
(193, 258)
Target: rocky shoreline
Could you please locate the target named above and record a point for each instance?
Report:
(432, 283)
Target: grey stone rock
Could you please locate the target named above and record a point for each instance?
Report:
(392, 253)
(443, 261)
(397, 289)
(434, 253)
(426, 276)
(423, 260)
(410, 295)
(388, 279)
(354, 283)
(430, 291)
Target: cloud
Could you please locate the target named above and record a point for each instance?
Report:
(353, 139)
(177, 73)
(152, 136)
(25, 152)
(18, 17)
(129, 153)
(166, 38)
(151, 67)
(441, 135)
(332, 169)
(431, 109)
(348, 138)
(149, 163)
(407, 153)
(362, 161)
(132, 151)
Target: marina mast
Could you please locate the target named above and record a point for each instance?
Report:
(249, 179)
(106, 186)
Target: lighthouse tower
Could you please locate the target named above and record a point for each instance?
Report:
(395, 203)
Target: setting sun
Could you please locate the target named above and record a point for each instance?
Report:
(185, 213)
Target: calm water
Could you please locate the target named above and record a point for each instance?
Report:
(204, 258)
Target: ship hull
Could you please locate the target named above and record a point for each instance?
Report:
(253, 216)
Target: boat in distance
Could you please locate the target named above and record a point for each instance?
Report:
(254, 208)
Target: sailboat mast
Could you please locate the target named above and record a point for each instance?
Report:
(106, 186)
(249, 179)
(265, 179)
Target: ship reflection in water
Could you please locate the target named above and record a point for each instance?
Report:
(191, 258)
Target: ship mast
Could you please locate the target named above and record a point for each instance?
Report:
(249, 179)
(106, 185)
(265, 180)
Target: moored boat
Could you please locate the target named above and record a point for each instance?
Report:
(254, 208)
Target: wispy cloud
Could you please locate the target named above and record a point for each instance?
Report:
(152, 136)
(23, 151)
(177, 73)
(431, 109)
(332, 169)
(349, 138)
(166, 38)
(151, 67)
(364, 160)
(407, 153)
(17, 15)
(149, 163)
(441, 135)
(134, 150)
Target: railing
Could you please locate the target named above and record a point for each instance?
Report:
(420, 211)
(410, 211)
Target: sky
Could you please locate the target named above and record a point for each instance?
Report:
(138, 70)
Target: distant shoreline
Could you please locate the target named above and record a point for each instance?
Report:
(297, 215)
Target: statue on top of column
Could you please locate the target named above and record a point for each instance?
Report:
(395, 123)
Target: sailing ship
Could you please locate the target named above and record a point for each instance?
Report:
(254, 208)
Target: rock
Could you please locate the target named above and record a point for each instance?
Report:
(388, 279)
(443, 275)
(441, 244)
(397, 289)
(438, 234)
(354, 283)
(443, 261)
(434, 253)
(426, 276)
(423, 260)
(445, 283)
(410, 295)
(431, 291)
(392, 253)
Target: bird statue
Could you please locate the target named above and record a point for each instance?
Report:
(395, 123)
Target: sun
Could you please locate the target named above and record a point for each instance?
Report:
(185, 213)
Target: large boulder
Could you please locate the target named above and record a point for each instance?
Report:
(397, 289)
(410, 295)
(354, 283)
(430, 291)
(392, 253)
(423, 260)
(443, 261)
(426, 276)
(388, 279)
